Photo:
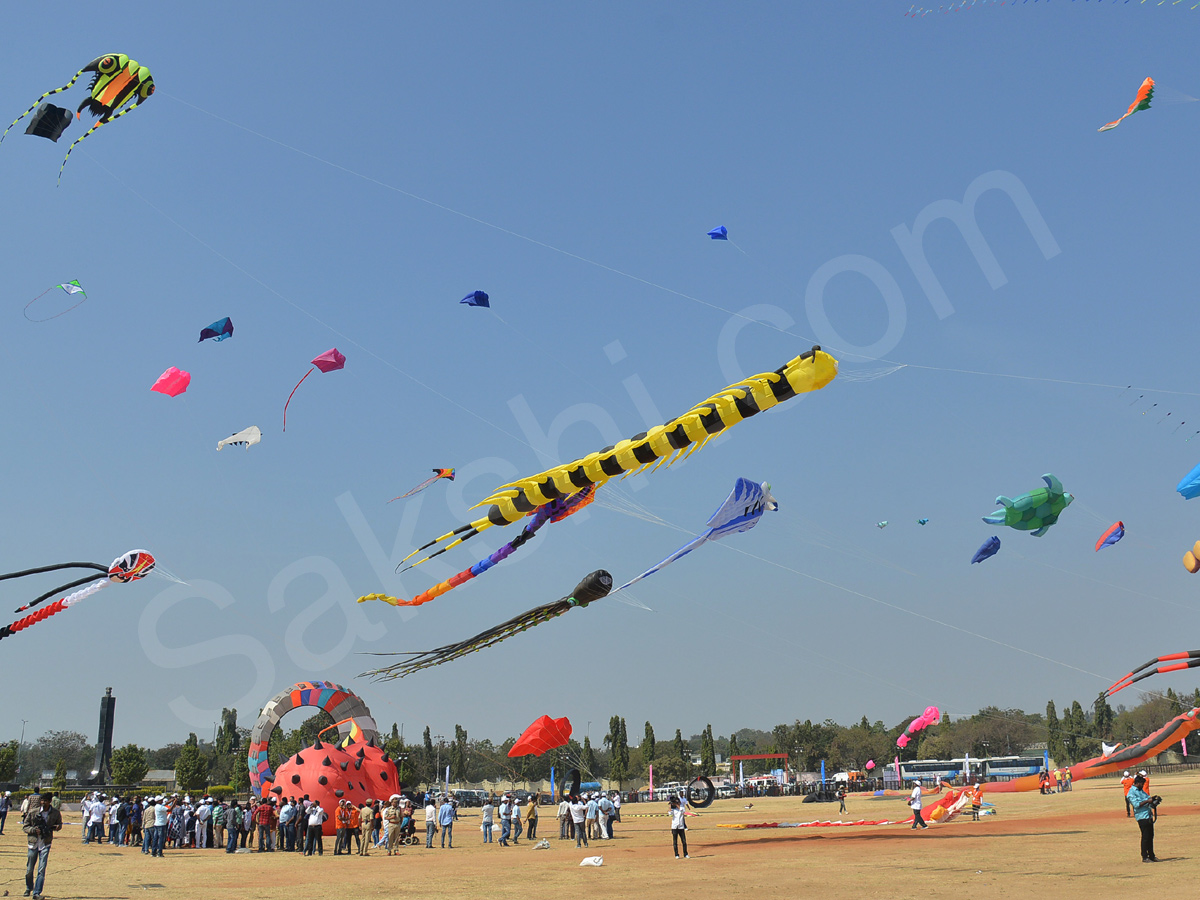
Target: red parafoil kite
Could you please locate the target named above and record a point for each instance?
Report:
(542, 736)
(931, 716)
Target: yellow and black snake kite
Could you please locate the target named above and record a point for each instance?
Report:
(665, 443)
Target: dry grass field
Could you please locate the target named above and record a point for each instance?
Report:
(1076, 845)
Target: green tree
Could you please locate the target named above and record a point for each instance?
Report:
(648, 741)
(623, 749)
(708, 753)
(1174, 704)
(458, 754)
(1054, 743)
(1102, 718)
(239, 778)
(616, 763)
(191, 769)
(129, 764)
(60, 775)
(227, 734)
(8, 760)
(588, 759)
(734, 750)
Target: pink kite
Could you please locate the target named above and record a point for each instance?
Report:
(172, 382)
(931, 716)
(870, 764)
(328, 361)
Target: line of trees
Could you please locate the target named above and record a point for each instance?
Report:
(1075, 734)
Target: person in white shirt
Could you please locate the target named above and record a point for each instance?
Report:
(203, 811)
(96, 820)
(914, 803)
(487, 812)
(430, 823)
(578, 817)
(316, 818)
(678, 827)
(161, 814)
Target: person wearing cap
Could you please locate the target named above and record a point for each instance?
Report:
(678, 827)
(39, 825)
(1145, 814)
(366, 818)
(592, 811)
(1146, 778)
(342, 818)
(914, 803)
(392, 817)
(516, 821)
(162, 815)
(1126, 784)
(506, 808)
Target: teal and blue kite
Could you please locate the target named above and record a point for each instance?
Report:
(477, 298)
(218, 330)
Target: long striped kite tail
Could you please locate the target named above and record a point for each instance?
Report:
(39, 100)
(99, 122)
(1190, 659)
(428, 658)
(56, 607)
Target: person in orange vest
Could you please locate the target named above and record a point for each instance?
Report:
(1126, 784)
(1145, 775)
(976, 801)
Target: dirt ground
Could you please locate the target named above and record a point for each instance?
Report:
(1075, 845)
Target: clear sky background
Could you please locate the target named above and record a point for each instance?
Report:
(340, 175)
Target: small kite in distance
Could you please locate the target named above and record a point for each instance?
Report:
(71, 287)
(989, 548)
(1110, 537)
(172, 382)
(218, 330)
(922, 521)
(244, 438)
(49, 121)
(720, 233)
(882, 524)
(477, 298)
(437, 473)
(1144, 95)
(329, 361)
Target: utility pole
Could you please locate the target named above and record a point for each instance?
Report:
(19, 743)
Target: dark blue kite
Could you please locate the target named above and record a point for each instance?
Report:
(476, 298)
(989, 549)
(220, 329)
(720, 233)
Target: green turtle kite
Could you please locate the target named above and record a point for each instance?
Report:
(1035, 511)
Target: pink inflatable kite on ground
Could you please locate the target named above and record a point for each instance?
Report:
(172, 382)
(931, 716)
(329, 361)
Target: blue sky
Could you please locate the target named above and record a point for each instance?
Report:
(340, 176)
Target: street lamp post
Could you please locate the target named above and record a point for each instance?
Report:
(437, 766)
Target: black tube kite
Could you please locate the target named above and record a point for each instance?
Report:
(594, 587)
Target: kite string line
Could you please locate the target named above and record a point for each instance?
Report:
(476, 219)
(591, 262)
(911, 612)
(310, 315)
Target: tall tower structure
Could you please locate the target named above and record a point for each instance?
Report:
(102, 771)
